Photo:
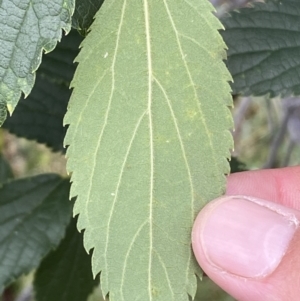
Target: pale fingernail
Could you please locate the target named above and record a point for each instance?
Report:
(247, 237)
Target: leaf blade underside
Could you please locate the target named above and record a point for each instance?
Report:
(148, 142)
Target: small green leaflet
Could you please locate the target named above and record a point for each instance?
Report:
(264, 47)
(149, 141)
(27, 28)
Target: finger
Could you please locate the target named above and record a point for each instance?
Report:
(277, 185)
(249, 246)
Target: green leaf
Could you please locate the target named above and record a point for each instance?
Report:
(34, 214)
(40, 116)
(236, 165)
(264, 47)
(148, 142)
(65, 274)
(27, 28)
(5, 170)
(84, 14)
(209, 291)
(97, 295)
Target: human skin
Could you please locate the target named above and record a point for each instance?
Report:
(248, 242)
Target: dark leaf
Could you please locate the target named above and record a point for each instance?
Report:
(34, 214)
(66, 274)
(5, 170)
(264, 47)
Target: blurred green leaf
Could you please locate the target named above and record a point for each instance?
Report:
(65, 273)
(209, 291)
(264, 47)
(27, 28)
(236, 165)
(34, 214)
(97, 295)
(5, 170)
(149, 136)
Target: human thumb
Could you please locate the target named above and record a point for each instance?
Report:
(250, 247)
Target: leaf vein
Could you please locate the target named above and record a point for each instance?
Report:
(120, 180)
(166, 273)
(86, 104)
(183, 154)
(106, 118)
(127, 256)
(202, 116)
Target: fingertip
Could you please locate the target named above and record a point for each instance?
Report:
(240, 241)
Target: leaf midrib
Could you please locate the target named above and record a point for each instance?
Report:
(150, 81)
